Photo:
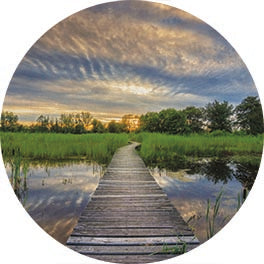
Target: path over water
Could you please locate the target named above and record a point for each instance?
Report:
(129, 218)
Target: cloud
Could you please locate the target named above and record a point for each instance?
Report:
(129, 56)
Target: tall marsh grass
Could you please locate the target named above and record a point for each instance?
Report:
(96, 147)
(156, 148)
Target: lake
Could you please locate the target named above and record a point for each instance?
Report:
(54, 194)
(190, 189)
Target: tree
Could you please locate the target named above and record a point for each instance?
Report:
(131, 122)
(219, 116)
(249, 115)
(43, 123)
(172, 121)
(98, 127)
(54, 126)
(9, 121)
(75, 123)
(114, 127)
(150, 122)
(84, 118)
(67, 123)
(194, 116)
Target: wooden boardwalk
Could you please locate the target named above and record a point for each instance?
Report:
(129, 218)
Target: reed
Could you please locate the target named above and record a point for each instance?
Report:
(96, 147)
(159, 148)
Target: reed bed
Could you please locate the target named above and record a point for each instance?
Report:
(156, 148)
(41, 146)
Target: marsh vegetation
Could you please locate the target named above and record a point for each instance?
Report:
(192, 154)
(42, 146)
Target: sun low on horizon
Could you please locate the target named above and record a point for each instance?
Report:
(128, 57)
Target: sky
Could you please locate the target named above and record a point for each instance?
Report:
(128, 57)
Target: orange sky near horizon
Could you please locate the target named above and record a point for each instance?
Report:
(126, 57)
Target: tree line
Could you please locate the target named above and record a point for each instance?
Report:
(74, 123)
(216, 116)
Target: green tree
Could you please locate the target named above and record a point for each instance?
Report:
(130, 121)
(172, 121)
(149, 122)
(98, 126)
(67, 123)
(54, 126)
(219, 115)
(194, 116)
(9, 121)
(114, 127)
(42, 123)
(249, 115)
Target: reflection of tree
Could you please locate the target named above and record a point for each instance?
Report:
(246, 174)
(217, 170)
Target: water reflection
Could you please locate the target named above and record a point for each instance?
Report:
(54, 194)
(189, 189)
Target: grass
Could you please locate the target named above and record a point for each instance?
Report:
(167, 150)
(170, 151)
(96, 147)
(211, 215)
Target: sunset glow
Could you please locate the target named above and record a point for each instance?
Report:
(126, 57)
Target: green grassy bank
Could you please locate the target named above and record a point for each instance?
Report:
(155, 149)
(97, 147)
(158, 149)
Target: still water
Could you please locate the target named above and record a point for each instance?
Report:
(191, 189)
(55, 194)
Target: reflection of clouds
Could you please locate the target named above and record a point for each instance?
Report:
(125, 57)
(181, 175)
(56, 195)
(190, 197)
(190, 207)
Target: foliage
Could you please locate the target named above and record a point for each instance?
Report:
(194, 119)
(97, 147)
(171, 151)
(150, 122)
(218, 116)
(169, 121)
(9, 122)
(98, 127)
(172, 121)
(249, 115)
(114, 127)
(130, 122)
(212, 213)
(175, 250)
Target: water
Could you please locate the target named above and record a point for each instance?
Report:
(189, 190)
(55, 194)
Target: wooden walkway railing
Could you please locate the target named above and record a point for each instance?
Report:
(129, 218)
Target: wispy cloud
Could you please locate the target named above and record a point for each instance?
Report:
(128, 57)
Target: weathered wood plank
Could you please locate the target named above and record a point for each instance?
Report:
(128, 213)
(180, 228)
(129, 196)
(132, 232)
(132, 241)
(131, 250)
(129, 218)
(130, 259)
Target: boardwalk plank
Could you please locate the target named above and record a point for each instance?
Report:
(129, 218)
(132, 241)
(131, 232)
